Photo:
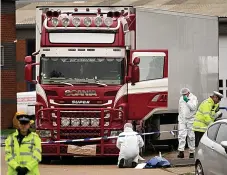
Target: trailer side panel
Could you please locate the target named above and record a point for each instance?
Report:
(192, 43)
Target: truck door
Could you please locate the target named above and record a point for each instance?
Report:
(150, 93)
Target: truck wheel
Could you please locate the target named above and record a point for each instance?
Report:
(46, 160)
(66, 158)
(199, 169)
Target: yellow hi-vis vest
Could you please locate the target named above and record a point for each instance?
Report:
(205, 115)
(28, 154)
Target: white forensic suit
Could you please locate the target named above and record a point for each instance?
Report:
(129, 143)
(186, 118)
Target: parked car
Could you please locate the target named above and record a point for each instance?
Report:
(211, 154)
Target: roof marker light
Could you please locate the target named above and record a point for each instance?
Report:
(56, 14)
(116, 14)
(49, 14)
(99, 10)
(110, 14)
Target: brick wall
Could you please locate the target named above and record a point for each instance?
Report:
(20, 55)
(8, 70)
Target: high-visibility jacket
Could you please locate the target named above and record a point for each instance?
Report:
(205, 115)
(28, 154)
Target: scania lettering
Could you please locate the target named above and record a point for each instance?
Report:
(80, 102)
(99, 67)
(80, 93)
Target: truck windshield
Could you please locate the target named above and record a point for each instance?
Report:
(109, 71)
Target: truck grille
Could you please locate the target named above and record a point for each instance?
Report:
(82, 114)
(79, 133)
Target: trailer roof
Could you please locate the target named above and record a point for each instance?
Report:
(25, 12)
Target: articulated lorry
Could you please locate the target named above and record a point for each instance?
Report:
(100, 67)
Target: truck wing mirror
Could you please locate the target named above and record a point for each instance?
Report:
(28, 69)
(28, 59)
(135, 71)
(28, 73)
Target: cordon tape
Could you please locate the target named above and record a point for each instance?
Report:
(105, 137)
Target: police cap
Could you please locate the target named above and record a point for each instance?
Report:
(22, 117)
(218, 94)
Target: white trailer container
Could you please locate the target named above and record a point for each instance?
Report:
(192, 44)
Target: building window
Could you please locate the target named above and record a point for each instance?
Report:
(220, 83)
(221, 91)
(2, 55)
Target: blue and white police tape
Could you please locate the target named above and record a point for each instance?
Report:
(110, 137)
(105, 137)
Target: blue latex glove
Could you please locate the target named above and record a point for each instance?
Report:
(185, 98)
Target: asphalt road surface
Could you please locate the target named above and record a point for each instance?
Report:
(87, 166)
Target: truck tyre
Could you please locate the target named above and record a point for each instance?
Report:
(46, 160)
(67, 158)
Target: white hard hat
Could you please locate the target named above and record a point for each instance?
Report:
(218, 94)
(184, 91)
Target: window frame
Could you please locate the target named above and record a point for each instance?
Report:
(124, 73)
(221, 123)
(214, 140)
(138, 53)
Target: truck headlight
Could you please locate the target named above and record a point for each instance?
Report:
(65, 121)
(44, 133)
(115, 133)
(75, 122)
(94, 122)
(85, 122)
(106, 123)
(107, 115)
(120, 113)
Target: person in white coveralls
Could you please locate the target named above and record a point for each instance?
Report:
(188, 104)
(129, 143)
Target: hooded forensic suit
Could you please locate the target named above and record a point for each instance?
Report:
(129, 143)
(186, 118)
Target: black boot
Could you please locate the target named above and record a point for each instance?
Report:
(121, 163)
(134, 164)
(181, 154)
(191, 155)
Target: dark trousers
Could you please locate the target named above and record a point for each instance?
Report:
(198, 136)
